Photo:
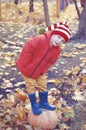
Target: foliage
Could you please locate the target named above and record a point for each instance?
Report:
(41, 30)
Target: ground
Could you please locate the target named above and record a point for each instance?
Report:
(71, 66)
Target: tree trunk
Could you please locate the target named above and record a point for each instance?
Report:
(31, 9)
(82, 23)
(46, 13)
(16, 2)
(57, 7)
(0, 11)
(77, 9)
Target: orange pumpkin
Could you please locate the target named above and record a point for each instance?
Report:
(45, 121)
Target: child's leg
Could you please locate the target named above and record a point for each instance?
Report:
(30, 86)
(43, 93)
(42, 83)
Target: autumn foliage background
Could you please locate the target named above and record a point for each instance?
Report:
(67, 79)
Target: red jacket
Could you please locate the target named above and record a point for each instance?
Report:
(37, 56)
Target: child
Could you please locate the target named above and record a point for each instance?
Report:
(38, 54)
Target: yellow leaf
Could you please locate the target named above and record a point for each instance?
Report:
(78, 96)
(68, 72)
(76, 70)
(20, 112)
(68, 54)
(83, 79)
(56, 81)
(54, 91)
(65, 55)
(83, 59)
(71, 54)
(80, 46)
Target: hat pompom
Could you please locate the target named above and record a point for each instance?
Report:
(61, 29)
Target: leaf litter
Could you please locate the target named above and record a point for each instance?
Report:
(69, 88)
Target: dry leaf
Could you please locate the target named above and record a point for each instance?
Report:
(83, 79)
(20, 94)
(69, 55)
(76, 70)
(11, 98)
(80, 46)
(56, 81)
(20, 112)
(78, 96)
(83, 59)
(54, 91)
(82, 87)
(64, 127)
(51, 99)
(67, 72)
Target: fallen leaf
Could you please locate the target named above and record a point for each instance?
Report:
(21, 95)
(83, 59)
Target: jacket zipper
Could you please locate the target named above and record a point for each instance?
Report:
(40, 62)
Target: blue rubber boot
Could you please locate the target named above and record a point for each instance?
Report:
(35, 107)
(43, 96)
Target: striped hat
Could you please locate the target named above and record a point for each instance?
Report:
(61, 29)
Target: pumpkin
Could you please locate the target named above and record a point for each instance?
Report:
(45, 121)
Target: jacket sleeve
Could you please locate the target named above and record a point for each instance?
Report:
(26, 55)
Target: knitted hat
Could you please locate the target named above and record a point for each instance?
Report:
(61, 29)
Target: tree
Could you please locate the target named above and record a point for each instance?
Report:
(46, 12)
(0, 11)
(77, 9)
(82, 24)
(31, 9)
(57, 7)
(81, 33)
(16, 2)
